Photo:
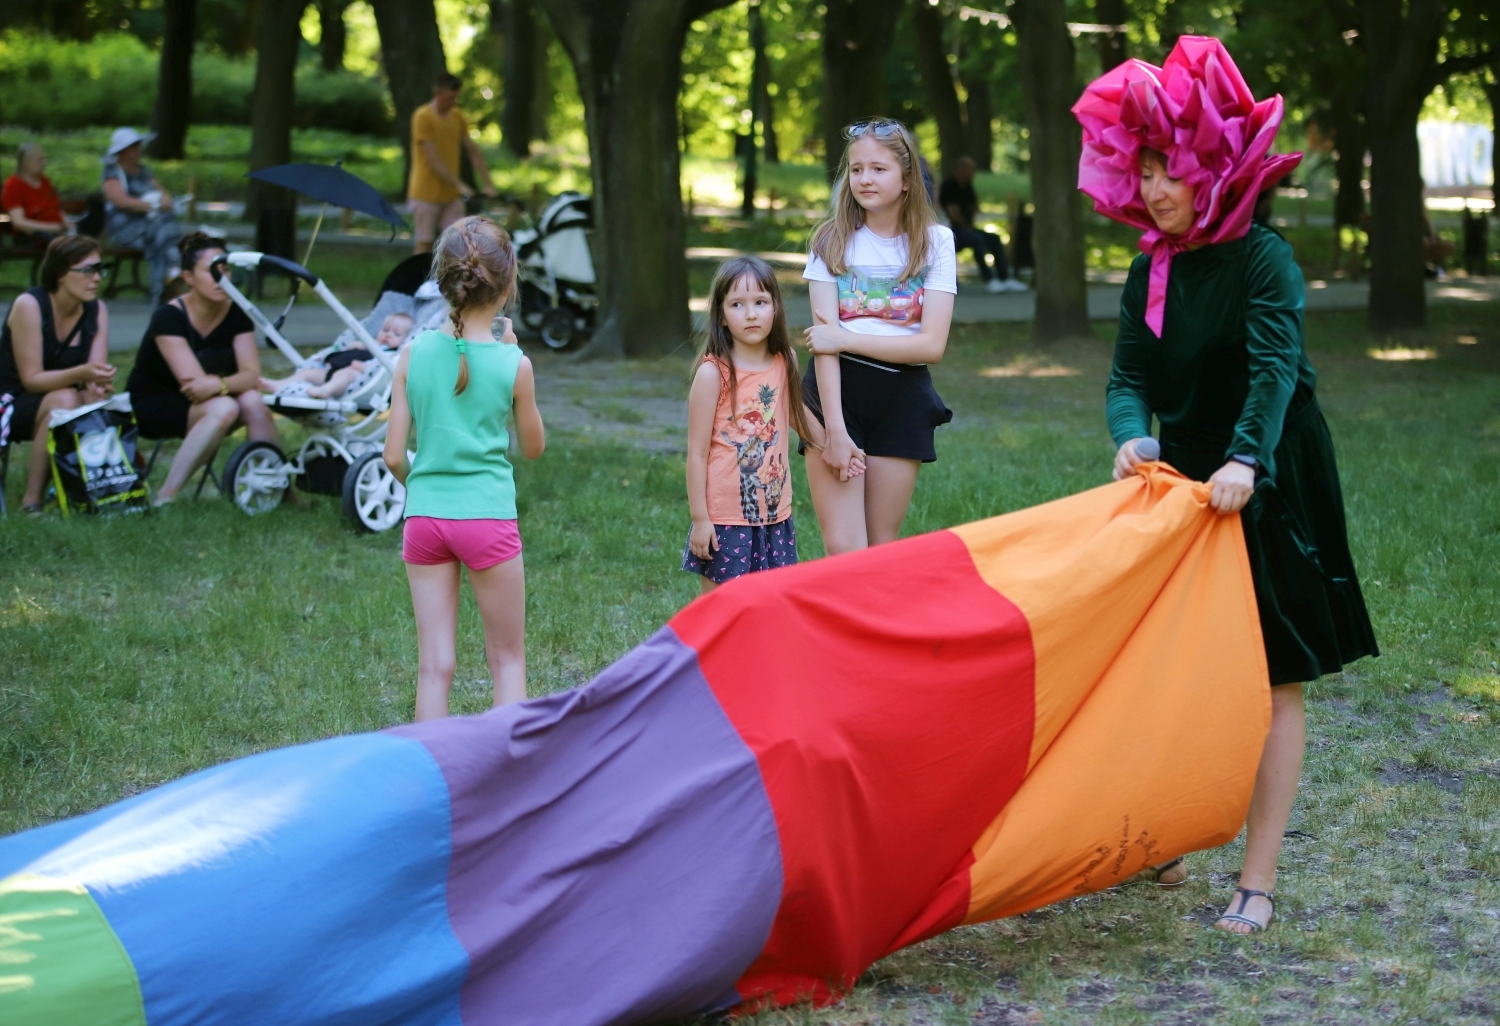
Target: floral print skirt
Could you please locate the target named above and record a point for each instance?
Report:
(744, 550)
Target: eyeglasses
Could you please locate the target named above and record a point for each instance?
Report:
(94, 270)
(881, 128)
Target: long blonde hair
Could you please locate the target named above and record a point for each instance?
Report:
(831, 237)
(718, 343)
(474, 264)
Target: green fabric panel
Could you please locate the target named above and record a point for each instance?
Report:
(60, 962)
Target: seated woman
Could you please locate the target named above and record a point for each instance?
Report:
(343, 368)
(28, 197)
(196, 373)
(137, 210)
(54, 351)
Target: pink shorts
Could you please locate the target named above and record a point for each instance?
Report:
(477, 544)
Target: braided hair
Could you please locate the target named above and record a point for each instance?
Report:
(474, 264)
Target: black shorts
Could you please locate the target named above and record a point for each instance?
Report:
(889, 409)
(161, 415)
(344, 357)
(24, 408)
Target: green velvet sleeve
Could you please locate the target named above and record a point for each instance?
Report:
(1273, 327)
(1125, 407)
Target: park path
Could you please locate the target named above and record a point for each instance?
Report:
(313, 324)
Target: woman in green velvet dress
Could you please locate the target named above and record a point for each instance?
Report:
(1234, 393)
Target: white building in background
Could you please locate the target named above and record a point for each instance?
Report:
(1456, 155)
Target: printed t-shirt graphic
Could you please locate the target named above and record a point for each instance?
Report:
(874, 299)
(748, 480)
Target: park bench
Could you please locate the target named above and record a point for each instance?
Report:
(19, 246)
(89, 214)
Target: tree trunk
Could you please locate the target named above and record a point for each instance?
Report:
(757, 108)
(760, 99)
(937, 83)
(1402, 52)
(856, 36)
(518, 75)
(1349, 163)
(273, 208)
(1113, 46)
(980, 115)
(174, 81)
(1492, 91)
(334, 35)
(541, 77)
(412, 52)
(627, 55)
(1048, 89)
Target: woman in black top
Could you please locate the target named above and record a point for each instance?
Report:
(197, 373)
(54, 351)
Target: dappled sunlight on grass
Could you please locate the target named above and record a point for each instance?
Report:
(1402, 355)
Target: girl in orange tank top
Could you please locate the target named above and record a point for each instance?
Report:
(745, 397)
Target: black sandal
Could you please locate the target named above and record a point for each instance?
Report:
(1238, 916)
(1152, 874)
(33, 509)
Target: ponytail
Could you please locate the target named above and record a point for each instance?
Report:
(474, 264)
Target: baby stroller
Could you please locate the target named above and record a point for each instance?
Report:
(559, 292)
(342, 457)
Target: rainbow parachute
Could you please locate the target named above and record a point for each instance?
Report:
(798, 775)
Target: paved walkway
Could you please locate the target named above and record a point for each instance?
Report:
(313, 324)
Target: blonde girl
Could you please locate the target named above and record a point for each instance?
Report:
(745, 396)
(458, 390)
(883, 276)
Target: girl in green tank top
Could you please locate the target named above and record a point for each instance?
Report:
(458, 390)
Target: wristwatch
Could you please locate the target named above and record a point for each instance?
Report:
(1249, 461)
(224, 390)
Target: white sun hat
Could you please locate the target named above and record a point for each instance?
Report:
(125, 137)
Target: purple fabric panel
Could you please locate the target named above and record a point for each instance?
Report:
(615, 856)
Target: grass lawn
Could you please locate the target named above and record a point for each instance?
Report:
(137, 650)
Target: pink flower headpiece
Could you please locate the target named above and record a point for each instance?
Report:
(1197, 110)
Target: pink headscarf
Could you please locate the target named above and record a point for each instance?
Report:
(1197, 110)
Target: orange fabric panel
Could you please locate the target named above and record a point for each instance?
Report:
(1151, 719)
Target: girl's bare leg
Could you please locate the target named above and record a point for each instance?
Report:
(40, 464)
(259, 425)
(891, 482)
(705, 586)
(208, 423)
(840, 506)
(1271, 803)
(501, 593)
(434, 598)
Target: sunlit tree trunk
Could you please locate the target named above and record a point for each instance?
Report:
(856, 37)
(937, 83)
(412, 52)
(627, 55)
(174, 82)
(1048, 89)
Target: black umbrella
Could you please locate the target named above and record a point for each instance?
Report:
(331, 184)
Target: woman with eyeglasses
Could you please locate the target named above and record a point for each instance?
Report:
(883, 279)
(197, 373)
(54, 352)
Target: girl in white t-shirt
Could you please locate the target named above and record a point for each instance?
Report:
(883, 276)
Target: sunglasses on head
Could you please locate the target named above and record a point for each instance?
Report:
(92, 270)
(880, 128)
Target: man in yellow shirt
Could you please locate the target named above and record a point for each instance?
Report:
(435, 194)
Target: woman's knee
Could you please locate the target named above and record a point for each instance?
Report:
(222, 411)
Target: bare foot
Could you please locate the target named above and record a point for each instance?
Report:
(268, 385)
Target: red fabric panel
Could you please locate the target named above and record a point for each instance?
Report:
(888, 697)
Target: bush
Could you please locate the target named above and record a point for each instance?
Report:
(49, 84)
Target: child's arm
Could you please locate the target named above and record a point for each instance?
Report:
(838, 449)
(529, 431)
(703, 403)
(826, 337)
(399, 424)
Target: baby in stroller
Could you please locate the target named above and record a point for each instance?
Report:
(342, 368)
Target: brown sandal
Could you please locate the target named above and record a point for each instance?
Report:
(1153, 874)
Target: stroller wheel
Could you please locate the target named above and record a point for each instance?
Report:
(373, 499)
(557, 327)
(255, 477)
